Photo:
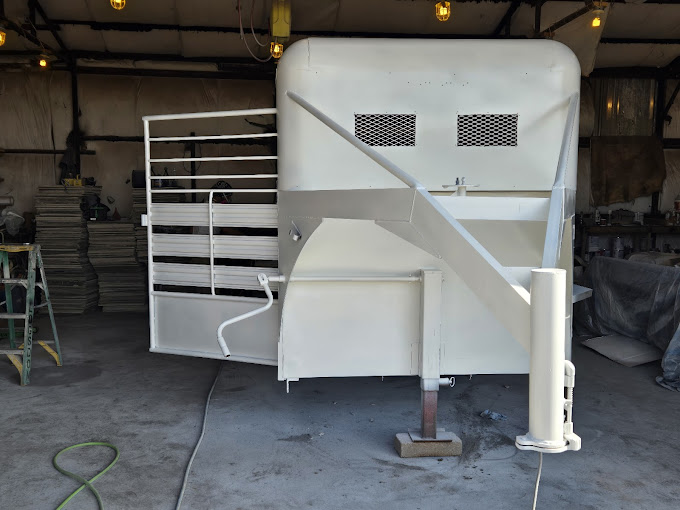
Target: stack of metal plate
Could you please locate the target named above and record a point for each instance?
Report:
(122, 280)
(61, 232)
(139, 208)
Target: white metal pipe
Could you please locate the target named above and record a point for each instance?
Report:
(210, 137)
(264, 282)
(195, 295)
(336, 279)
(212, 245)
(555, 224)
(235, 176)
(400, 174)
(216, 158)
(349, 279)
(573, 441)
(149, 230)
(447, 381)
(228, 190)
(210, 115)
(546, 376)
(561, 173)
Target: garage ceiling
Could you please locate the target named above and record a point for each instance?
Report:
(200, 34)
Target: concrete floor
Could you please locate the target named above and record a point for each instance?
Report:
(327, 445)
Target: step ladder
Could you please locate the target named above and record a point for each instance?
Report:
(20, 356)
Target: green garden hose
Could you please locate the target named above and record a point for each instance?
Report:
(85, 483)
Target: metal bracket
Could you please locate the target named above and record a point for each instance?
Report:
(294, 232)
(441, 437)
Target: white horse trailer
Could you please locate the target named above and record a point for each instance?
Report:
(419, 222)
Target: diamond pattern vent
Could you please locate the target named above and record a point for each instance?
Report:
(386, 130)
(487, 130)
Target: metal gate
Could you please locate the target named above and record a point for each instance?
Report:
(203, 256)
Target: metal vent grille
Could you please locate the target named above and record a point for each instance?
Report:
(386, 130)
(487, 130)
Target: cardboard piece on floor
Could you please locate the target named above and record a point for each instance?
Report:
(624, 350)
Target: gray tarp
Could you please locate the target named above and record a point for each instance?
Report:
(637, 300)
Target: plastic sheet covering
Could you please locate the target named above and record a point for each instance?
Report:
(623, 168)
(587, 110)
(637, 300)
(672, 129)
(671, 186)
(37, 106)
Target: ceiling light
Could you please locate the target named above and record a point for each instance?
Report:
(276, 49)
(597, 21)
(118, 4)
(3, 36)
(442, 10)
(43, 62)
(598, 12)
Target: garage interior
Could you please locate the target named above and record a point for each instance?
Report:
(76, 79)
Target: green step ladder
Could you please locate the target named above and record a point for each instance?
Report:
(20, 356)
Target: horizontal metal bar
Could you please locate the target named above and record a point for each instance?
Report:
(225, 246)
(192, 295)
(198, 275)
(229, 190)
(41, 152)
(239, 176)
(215, 355)
(580, 293)
(224, 72)
(212, 137)
(351, 279)
(19, 281)
(111, 138)
(224, 215)
(211, 115)
(107, 56)
(637, 40)
(220, 158)
(11, 351)
(246, 140)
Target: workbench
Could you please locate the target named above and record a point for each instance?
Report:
(637, 232)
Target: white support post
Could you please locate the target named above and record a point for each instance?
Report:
(430, 324)
(430, 347)
(429, 441)
(149, 232)
(547, 364)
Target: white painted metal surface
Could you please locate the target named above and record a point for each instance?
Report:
(224, 215)
(264, 283)
(430, 329)
(185, 262)
(186, 324)
(234, 247)
(548, 371)
(437, 81)
(376, 140)
(198, 275)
